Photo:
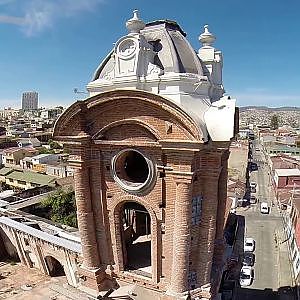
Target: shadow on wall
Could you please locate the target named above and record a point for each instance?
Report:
(283, 293)
(55, 268)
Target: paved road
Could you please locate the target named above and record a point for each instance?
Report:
(263, 229)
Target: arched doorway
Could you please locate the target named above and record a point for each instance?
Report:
(55, 268)
(7, 249)
(136, 238)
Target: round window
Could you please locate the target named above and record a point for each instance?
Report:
(132, 170)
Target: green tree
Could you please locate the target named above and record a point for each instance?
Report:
(274, 122)
(62, 207)
(44, 150)
(54, 145)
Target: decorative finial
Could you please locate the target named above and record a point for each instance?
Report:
(134, 25)
(206, 38)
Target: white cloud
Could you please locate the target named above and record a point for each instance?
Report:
(38, 15)
(12, 20)
(268, 99)
(13, 103)
(3, 2)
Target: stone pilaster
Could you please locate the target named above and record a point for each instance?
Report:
(181, 236)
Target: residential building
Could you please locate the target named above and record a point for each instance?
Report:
(276, 149)
(12, 156)
(38, 160)
(292, 225)
(29, 142)
(30, 101)
(59, 169)
(286, 177)
(26, 179)
(8, 113)
(51, 113)
(3, 173)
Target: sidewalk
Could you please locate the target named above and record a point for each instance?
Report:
(285, 268)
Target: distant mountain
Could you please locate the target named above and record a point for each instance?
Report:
(284, 108)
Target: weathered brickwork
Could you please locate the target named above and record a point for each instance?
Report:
(182, 250)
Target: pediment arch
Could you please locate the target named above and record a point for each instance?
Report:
(160, 117)
(142, 130)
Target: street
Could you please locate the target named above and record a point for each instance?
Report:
(267, 231)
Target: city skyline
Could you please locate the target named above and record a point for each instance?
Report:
(55, 47)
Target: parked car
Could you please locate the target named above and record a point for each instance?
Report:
(246, 276)
(233, 210)
(264, 208)
(253, 166)
(253, 199)
(248, 259)
(242, 202)
(253, 184)
(249, 245)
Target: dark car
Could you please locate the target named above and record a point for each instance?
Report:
(253, 166)
(249, 259)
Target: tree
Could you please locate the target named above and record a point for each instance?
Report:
(54, 145)
(44, 150)
(62, 206)
(274, 122)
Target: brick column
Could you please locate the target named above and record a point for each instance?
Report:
(181, 236)
(222, 196)
(85, 216)
(208, 225)
(100, 208)
(219, 244)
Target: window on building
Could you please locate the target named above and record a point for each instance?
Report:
(196, 209)
(294, 255)
(192, 279)
(22, 182)
(293, 244)
(34, 184)
(297, 263)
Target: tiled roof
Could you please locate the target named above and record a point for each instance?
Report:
(287, 172)
(4, 171)
(31, 177)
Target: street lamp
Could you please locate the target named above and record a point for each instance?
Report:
(77, 91)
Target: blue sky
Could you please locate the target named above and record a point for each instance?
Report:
(54, 46)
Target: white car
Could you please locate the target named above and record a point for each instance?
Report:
(246, 276)
(249, 245)
(253, 184)
(264, 208)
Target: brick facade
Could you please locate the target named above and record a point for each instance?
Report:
(185, 200)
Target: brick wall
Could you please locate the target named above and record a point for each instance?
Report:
(182, 252)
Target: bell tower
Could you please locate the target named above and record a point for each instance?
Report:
(150, 183)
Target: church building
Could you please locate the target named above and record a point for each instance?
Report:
(150, 147)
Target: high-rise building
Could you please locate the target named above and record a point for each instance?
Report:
(150, 150)
(30, 100)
